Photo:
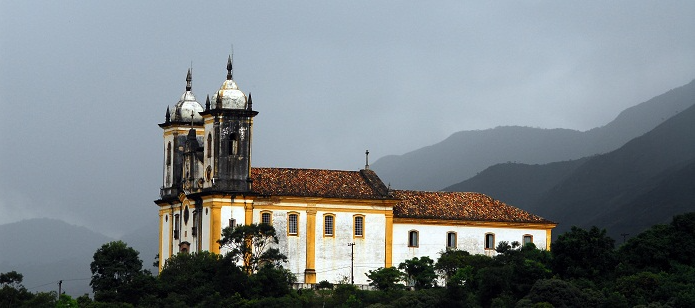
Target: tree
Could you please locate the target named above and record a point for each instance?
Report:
(385, 279)
(450, 261)
(251, 243)
(420, 271)
(11, 279)
(584, 254)
(115, 265)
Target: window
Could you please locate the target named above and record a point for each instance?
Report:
(528, 238)
(209, 145)
(489, 241)
(194, 229)
(177, 221)
(169, 154)
(266, 218)
(233, 140)
(328, 224)
(451, 240)
(413, 238)
(292, 223)
(358, 225)
(232, 222)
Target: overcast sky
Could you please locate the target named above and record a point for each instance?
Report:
(83, 84)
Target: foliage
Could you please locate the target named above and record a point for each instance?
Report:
(251, 244)
(420, 271)
(385, 279)
(11, 279)
(584, 254)
(114, 266)
(65, 301)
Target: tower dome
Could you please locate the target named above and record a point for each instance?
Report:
(231, 96)
(187, 106)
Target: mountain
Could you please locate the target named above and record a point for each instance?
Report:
(466, 153)
(645, 182)
(48, 250)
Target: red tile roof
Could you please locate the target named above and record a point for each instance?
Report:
(458, 206)
(364, 184)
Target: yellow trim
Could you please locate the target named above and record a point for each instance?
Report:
(388, 240)
(215, 227)
(332, 225)
(171, 232)
(354, 227)
(266, 212)
(370, 203)
(310, 271)
(288, 223)
(548, 238)
(161, 240)
(494, 224)
(175, 130)
(248, 213)
(282, 207)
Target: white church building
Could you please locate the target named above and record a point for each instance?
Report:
(323, 218)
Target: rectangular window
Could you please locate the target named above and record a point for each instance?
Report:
(177, 221)
(451, 240)
(413, 238)
(266, 218)
(194, 229)
(328, 225)
(528, 239)
(292, 224)
(232, 222)
(359, 226)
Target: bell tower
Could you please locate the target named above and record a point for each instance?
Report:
(228, 119)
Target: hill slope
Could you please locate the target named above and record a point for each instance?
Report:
(465, 153)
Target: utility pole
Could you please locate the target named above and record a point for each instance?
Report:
(352, 262)
(60, 288)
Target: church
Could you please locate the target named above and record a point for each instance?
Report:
(329, 222)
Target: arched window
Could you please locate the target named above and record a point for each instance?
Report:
(413, 238)
(267, 217)
(233, 140)
(169, 154)
(292, 224)
(209, 145)
(451, 240)
(489, 241)
(358, 225)
(328, 225)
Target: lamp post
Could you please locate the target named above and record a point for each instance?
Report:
(352, 262)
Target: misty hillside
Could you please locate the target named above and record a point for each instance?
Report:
(48, 250)
(645, 182)
(466, 153)
(518, 184)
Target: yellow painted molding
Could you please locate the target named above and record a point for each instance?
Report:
(215, 229)
(310, 247)
(468, 223)
(388, 242)
(548, 238)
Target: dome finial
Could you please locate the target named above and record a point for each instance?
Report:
(219, 100)
(167, 117)
(229, 67)
(207, 103)
(250, 103)
(188, 80)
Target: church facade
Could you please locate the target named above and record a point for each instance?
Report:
(331, 224)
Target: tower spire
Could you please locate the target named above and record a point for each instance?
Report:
(188, 80)
(249, 106)
(167, 117)
(207, 103)
(229, 67)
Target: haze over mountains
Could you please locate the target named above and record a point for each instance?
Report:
(466, 153)
(645, 182)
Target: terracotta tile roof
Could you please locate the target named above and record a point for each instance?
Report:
(363, 184)
(458, 206)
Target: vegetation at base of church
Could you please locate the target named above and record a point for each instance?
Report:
(252, 244)
(583, 269)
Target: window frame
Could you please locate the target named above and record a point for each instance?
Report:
(523, 239)
(332, 225)
(354, 226)
(492, 247)
(417, 238)
(289, 226)
(270, 217)
(455, 246)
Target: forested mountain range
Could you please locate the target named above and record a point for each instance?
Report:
(465, 153)
(644, 182)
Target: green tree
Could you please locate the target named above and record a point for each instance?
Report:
(115, 265)
(385, 279)
(584, 254)
(252, 244)
(420, 271)
(451, 261)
